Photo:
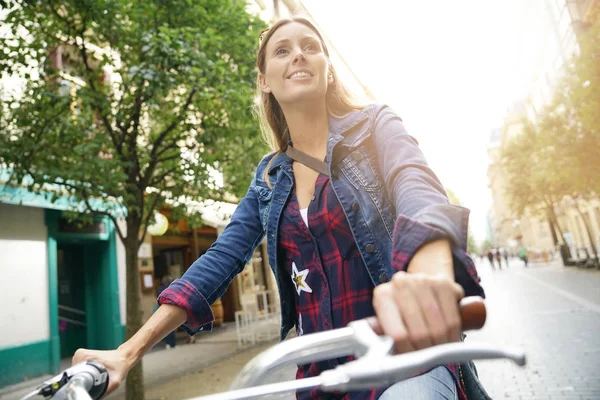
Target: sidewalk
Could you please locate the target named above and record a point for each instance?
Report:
(161, 366)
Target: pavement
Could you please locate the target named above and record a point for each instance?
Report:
(550, 311)
(553, 313)
(164, 365)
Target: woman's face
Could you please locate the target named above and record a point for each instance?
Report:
(296, 68)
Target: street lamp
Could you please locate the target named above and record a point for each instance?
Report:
(160, 225)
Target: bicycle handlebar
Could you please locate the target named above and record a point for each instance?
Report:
(374, 365)
(87, 380)
(358, 339)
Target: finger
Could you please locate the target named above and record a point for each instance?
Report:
(79, 356)
(410, 310)
(390, 320)
(432, 312)
(448, 295)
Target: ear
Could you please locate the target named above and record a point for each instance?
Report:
(263, 84)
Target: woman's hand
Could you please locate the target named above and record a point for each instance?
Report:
(418, 310)
(115, 362)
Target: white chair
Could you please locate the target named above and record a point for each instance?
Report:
(256, 324)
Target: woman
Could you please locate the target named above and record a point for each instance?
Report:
(363, 230)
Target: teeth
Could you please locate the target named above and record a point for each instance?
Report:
(300, 75)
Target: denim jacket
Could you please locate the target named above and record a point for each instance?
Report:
(382, 181)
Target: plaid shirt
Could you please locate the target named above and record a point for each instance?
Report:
(341, 292)
(332, 284)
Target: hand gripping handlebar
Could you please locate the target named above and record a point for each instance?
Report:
(374, 365)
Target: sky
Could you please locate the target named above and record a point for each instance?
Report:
(450, 69)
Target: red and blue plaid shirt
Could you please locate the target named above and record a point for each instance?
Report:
(332, 284)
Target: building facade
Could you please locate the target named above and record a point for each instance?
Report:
(60, 285)
(556, 27)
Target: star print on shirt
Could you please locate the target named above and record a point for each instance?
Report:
(299, 279)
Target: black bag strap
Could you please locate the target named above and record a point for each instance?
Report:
(309, 161)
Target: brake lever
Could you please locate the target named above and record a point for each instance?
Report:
(91, 374)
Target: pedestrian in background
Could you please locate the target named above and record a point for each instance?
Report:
(523, 255)
(498, 255)
(490, 256)
(505, 254)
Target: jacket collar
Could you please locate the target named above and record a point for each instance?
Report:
(279, 160)
(337, 127)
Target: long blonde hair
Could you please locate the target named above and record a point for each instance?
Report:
(340, 101)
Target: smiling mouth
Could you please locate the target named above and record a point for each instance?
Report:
(299, 75)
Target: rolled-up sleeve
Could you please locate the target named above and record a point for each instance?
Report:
(184, 295)
(410, 235)
(210, 275)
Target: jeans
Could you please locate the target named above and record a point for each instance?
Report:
(435, 384)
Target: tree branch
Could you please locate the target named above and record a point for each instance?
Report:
(147, 219)
(161, 137)
(135, 119)
(159, 179)
(172, 146)
(168, 158)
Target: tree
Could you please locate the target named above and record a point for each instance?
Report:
(131, 103)
(536, 178)
(572, 122)
(556, 158)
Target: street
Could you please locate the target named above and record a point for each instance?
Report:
(551, 311)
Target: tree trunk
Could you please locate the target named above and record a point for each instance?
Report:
(135, 378)
(589, 232)
(556, 224)
(553, 231)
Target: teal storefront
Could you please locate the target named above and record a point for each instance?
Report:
(83, 292)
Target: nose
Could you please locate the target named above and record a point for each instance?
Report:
(298, 56)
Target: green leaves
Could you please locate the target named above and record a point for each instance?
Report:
(123, 99)
(558, 155)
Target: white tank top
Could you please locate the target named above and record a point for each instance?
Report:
(304, 213)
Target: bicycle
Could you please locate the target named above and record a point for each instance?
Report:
(375, 364)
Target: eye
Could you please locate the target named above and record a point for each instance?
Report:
(280, 51)
(311, 47)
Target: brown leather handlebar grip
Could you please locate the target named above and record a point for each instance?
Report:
(472, 314)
